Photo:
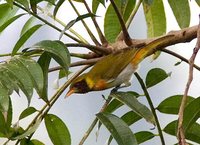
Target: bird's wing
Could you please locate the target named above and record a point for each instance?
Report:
(111, 66)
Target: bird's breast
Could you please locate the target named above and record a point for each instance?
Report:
(124, 76)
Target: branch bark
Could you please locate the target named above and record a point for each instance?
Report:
(181, 131)
(180, 36)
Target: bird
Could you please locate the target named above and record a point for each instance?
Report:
(114, 69)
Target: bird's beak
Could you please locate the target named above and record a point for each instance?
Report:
(71, 91)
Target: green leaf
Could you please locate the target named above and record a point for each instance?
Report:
(172, 104)
(79, 18)
(155, 76)
(129, 118)
(198, 2)
(62, 73)
(57, 130)
(112, 26)
(155, 18)
(25, 37)
(44, 62)
(31, 130)
(28, 111)
(72, 22)
(113, 105)
(33, 4)
(118, 128)
(8, 80)
(36, 142)
(35, 73)
(24, 3)
(3, 127)
(58, 51)
(10, 21)
(131, 101)
(191, 114)
(6, 12)
(21, 74)
(27, 25)
(9, 115)
(59, 3)
(4, 98)
(192, 134)
(148, 2)
(181, 10)
(10, 2)
(143, 136)
(95, 5)
(177, 63)
(30, 142)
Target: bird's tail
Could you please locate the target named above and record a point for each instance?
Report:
(149, 49)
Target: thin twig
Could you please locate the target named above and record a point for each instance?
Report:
(46, 22)
(87, 133)
(78, 63)
(130, 19)
(84, 55)
(126, 35)
(101, 36)
(151, 106)
(100, 49)
(85, 25)
(180, 57)
(181, 131)
(64, 25)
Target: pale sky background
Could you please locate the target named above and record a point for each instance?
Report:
(78, 111)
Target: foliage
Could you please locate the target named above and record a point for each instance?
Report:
(27, 69)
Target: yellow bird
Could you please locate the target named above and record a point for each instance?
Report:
(114, 69)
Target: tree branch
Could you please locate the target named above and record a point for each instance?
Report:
(179, 36)
(180, 57)
(181, 131)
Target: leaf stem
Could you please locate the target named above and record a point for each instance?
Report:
(151, 106)
(10, 54)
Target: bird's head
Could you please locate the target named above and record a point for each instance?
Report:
(80, 85)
